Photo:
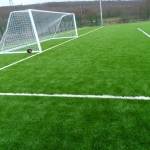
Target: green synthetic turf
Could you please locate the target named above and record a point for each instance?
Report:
(75, 124)
(113, 60)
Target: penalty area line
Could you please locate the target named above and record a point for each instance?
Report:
(2, 68)
(77, 96)
(144, 32)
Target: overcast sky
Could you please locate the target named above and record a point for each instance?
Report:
(25, 2)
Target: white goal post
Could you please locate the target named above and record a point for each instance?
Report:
(26, 29)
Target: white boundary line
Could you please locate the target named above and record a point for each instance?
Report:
(78, 96)
(144, 32)
(46, 50)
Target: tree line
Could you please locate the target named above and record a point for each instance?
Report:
(113, 11)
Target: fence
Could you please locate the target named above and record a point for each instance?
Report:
(1, 32)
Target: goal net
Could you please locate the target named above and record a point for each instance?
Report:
(26, 29)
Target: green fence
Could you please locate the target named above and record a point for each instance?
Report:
(79, 22)
(1, 31)
(92, 21)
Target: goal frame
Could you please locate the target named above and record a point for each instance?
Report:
(35, 31)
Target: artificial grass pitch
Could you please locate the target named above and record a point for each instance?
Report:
(113, 60)
(64, 123)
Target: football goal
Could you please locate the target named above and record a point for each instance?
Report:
(26, 29)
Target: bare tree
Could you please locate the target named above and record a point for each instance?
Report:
(147, 10)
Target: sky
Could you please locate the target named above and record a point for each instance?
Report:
(25, 2)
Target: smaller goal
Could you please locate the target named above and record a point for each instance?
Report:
(26, 29)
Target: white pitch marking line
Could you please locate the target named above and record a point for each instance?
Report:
(78, 96)
(144, 32)
(45, 50)
(18, 61)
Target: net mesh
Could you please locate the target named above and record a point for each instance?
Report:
(53, 25)
(20, 33)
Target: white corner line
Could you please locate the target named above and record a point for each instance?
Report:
(78, 96)
(144, 32)
(2, 68)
